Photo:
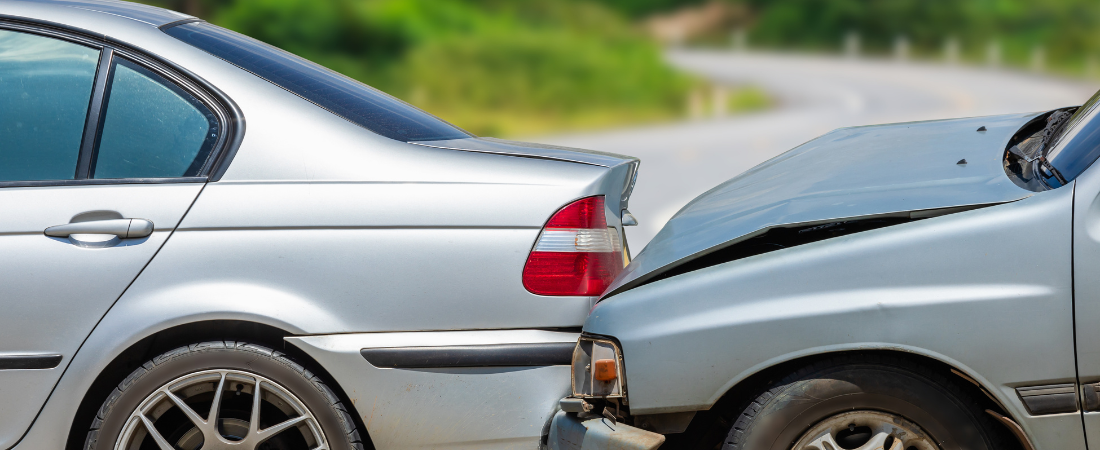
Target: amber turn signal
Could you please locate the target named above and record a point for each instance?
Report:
(605, 370)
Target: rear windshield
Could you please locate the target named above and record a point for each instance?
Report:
(343, 96)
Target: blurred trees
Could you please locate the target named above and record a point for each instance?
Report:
(641, 8)
(492, 66)
(1066, 32)
(531, 66)
(1068, 29)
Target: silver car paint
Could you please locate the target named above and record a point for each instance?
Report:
(52, 291)
(415, 408)
(850, 172)
(986, 291)
(320, 226)
(1086, 287)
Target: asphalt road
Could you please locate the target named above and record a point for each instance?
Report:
(815, 94)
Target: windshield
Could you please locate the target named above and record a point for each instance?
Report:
(1081, 139)
(361, 104)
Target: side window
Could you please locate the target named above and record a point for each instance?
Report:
(45, 89)
(151, 127)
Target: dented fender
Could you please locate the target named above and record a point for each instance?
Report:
(977, 290)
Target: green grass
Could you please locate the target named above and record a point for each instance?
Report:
(748, 99)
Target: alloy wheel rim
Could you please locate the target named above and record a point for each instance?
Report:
(865, 430)
(220, 410)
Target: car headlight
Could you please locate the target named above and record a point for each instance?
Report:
(597, 369)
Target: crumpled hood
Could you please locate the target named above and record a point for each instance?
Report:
(847, 173)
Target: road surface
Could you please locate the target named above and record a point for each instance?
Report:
(815, 94)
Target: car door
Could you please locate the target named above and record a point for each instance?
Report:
(100, 157)
(1086, 283)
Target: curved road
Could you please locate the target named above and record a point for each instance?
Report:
(815, 94)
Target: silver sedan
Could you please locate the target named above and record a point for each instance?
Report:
(211, 243)
(928, 285)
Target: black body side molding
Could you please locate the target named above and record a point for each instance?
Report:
(1049, 399)
(12, 362)
(495, 355)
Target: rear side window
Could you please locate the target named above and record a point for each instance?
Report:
(45, 89)
(151, 128)
(347, 98)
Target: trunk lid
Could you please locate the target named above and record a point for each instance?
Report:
(530, 150)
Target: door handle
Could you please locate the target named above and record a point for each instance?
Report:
(123, 228)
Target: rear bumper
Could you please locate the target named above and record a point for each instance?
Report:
(569, 432)
(451, 405)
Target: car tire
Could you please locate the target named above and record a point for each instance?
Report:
(846, 402)
(229, 371)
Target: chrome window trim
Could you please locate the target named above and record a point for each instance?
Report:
(101, 181)
(229, 115)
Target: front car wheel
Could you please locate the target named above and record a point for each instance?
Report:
(865, 402)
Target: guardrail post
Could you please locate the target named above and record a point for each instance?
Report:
(993, 54)
(951, 50)
(851, 45)
(720, 99)
(901, 48)
(1038, 58)
(740, 40)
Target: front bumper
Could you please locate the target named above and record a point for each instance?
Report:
(570, 432)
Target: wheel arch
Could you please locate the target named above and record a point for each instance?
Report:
(168, 338)
(739, 391)
(784, 363)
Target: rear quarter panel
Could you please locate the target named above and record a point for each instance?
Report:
(372, 233)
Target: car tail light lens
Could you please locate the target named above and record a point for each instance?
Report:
(576, 252)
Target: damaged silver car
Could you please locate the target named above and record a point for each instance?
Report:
(928, 286)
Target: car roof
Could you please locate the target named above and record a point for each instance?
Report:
(142, 13)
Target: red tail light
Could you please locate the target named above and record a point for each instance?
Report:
(576, 253)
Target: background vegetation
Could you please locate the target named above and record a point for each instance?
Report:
(1066, 32)
(521, 67)
(492, 67)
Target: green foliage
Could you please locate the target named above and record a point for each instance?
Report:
(1068, 30)
(543, 73)
(496, 67)
(1065, 29)
(640, 8)
(925, 23)
(749, 99)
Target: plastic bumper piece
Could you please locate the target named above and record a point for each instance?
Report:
(569, 432)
